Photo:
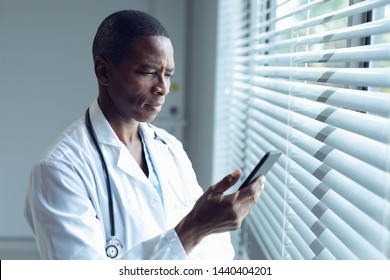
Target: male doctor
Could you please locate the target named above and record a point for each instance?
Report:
(112, 185)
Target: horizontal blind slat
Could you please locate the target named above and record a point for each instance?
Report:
(360, 7)
(375, 103)
(359, 31)
(354, 54)
(374, 77)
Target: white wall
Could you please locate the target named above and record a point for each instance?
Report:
(47, 81)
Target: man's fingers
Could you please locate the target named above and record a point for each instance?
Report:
(227, 181)
(253, 191)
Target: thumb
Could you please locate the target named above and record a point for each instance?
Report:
(227, 181)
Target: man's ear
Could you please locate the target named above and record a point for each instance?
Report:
(101, 70)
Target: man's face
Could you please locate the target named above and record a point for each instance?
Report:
(139, 84)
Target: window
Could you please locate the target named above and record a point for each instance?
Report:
(312, 79)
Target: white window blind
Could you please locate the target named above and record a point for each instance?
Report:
(311, 78)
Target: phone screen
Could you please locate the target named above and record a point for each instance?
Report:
(262, 167)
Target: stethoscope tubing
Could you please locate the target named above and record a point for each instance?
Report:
(105, 170)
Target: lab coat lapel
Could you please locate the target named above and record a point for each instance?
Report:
(159, 153)
(127, 164)
(113, 149)
(168, 175)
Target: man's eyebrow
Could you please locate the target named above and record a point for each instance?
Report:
(149, 66)
(155, 66)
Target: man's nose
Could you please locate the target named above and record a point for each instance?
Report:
(162, 85)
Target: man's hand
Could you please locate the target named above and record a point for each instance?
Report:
(215, 212)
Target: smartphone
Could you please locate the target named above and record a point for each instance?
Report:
(262, 167)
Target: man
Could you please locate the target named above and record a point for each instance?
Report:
(114, 186)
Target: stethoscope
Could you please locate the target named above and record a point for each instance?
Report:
(113, 245)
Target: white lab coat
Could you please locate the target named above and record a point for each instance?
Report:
(67, 207)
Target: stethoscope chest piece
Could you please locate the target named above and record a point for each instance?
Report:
(113, 248)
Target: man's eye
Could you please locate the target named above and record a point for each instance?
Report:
(155, 73)
(144, 72)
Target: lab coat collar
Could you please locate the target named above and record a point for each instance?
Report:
(104, 132)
